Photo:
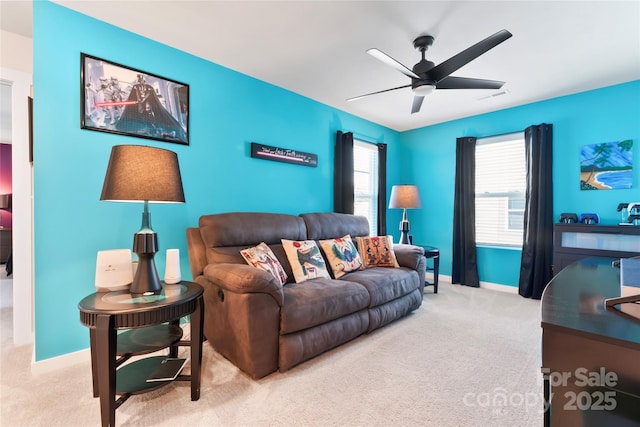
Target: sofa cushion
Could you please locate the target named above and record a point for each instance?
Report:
(305, 259)
(328, 225)
(377, 251)
(225, 234)
(342, 255)
(385, 284)
(262, 257)
(319, 301)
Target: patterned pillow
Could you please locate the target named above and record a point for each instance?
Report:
(342, 255)
(262, 257)
(377, 251)
(305, 259)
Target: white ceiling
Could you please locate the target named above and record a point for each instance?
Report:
(317, 48)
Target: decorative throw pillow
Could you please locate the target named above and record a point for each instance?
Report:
(377, 251)
(342, 255)
(305, 259)
(262, 257)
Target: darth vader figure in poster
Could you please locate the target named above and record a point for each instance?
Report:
(144, 114)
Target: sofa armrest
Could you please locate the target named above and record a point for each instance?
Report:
(196, 251)
(244, 279)
(409, 256)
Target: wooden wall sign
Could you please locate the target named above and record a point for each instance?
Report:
(267, 152)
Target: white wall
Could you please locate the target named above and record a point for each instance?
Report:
(16, 52)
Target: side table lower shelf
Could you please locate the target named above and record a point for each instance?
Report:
(132, 378)
(149, 339)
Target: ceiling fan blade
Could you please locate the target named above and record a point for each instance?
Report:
(417, 103)
(378, 54)
(375, 93)
(442, 70)
(452, 82)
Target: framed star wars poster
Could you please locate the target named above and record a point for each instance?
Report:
(123, 100)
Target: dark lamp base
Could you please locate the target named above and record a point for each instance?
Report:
(404, 238)
(404, 232)
(146, 280)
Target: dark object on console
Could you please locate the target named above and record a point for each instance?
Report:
(634, 219)
(568, 218)
(589, 218)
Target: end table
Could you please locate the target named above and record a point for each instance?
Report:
(431, 252)
(158, 317)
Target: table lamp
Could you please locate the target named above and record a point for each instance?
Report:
(404, 197)
(138, 173)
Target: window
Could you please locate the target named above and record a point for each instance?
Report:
(500, 190)
(365, 179)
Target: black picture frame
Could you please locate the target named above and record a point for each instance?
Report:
(285, 155)
(127, 101)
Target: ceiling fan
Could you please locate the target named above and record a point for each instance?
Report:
(427, 77)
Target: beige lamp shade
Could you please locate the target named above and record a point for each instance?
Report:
(405, 197)
(138, 173)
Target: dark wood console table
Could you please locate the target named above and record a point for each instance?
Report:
(573, 242)
(584, 346)
(159, 317)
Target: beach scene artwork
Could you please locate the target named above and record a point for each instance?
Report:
(606, 166)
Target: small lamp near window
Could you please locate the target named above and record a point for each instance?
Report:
(404, 197)
(142, 174)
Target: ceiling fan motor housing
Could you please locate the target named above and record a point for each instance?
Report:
(422, 43)
(421, 69)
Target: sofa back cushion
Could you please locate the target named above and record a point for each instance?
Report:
(226, 234)
(321, 226)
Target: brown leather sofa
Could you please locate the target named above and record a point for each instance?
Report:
(262, 326)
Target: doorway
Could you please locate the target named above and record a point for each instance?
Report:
(16, 90)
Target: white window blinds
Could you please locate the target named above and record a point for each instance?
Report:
(365, 171)
(500, 190)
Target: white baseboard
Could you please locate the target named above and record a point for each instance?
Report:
(64, 361)
(499, 287)
(83, 356)
(485, 285)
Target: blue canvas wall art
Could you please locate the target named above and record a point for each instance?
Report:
(606, 166)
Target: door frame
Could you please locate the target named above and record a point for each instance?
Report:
(22, 206)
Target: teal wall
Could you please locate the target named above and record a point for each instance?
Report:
(228, 111)
(603, 115)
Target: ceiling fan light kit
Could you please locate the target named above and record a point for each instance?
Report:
(426, 77)
(424, 90)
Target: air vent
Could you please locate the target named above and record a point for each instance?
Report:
(493, 95)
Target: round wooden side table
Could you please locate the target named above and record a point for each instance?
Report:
(158, 318)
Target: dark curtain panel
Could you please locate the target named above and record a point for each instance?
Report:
(382, 189)
(465, 263)
(343, 173)
(537, 247)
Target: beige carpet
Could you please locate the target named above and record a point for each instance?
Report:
(467, 357)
